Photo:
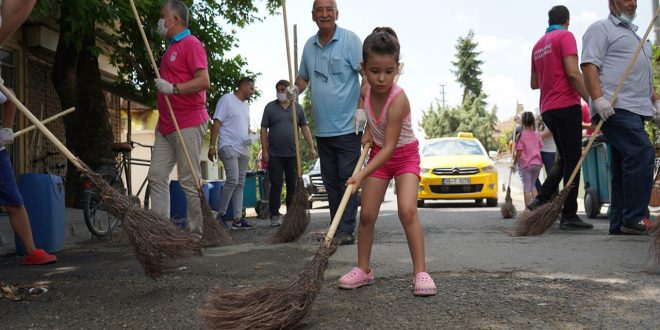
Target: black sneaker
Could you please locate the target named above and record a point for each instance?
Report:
(344, 238)
(573, 222)
(241, 225)
(535, 203)
(643, 227)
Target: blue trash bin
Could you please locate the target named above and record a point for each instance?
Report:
(597, 174)
(178, 206)
(43, 195)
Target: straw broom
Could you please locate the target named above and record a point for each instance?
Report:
(156, 241)
(297, 216)
(213, 234)
(537, 222)
(508, 210)
(273, 306)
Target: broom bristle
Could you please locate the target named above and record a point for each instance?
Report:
(507, 209)
(655, 242)
(537, 222)
(214, 234)
(268, 306)
(296, 218)
(156, 241)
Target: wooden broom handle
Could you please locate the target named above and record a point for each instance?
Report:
(614, 96)
(45, 121)
(41, 127)
(293, 102)
(198, 185)
(513, 150)
(344, 199)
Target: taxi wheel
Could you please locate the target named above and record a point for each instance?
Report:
(491, 202)
(420, 203)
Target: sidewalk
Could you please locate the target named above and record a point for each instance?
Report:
(75, 231)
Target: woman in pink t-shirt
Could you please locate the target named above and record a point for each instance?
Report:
(528, 154)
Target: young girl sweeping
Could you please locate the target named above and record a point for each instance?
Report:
(395, 154)
(528, 153)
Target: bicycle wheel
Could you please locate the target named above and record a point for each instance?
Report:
(99, 221)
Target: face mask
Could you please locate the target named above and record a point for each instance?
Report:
(623, 17)
(627, 19)
(162, 30)
(281, 97)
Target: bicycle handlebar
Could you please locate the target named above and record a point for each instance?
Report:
(44, 157)
(140, 144)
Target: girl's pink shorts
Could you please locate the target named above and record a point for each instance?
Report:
(405, 159)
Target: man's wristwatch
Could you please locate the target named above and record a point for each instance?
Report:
(175, 89)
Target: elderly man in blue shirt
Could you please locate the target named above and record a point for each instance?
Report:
(330, 66)
(608, 46)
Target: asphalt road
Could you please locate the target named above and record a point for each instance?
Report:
(486, 279)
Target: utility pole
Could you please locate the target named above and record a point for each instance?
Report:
(657, 23)
(442, 92)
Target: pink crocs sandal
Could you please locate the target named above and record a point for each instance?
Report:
(356, 278)
(423, 285)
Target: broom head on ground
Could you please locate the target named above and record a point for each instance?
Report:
(537, 222)
(297, 216)
(269, 306)
(156, 241)
(508, 210)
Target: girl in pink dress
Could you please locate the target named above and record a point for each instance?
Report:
(528, 154)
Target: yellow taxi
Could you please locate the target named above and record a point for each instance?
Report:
(457, 168)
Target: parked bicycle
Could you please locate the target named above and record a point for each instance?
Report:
(99, 221)
(46, 163)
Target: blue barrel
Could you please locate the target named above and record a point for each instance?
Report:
(250, 190)
(215, 188)
(43, 195)
(178, 206)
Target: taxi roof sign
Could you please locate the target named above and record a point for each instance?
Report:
(465, 135)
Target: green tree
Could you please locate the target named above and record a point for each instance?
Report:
(471, 116)
(89, 28)
(311, 123)
(468, 66)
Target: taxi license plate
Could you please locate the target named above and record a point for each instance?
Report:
(455, 181)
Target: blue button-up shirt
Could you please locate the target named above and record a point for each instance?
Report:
(610, 44)
(332, 72)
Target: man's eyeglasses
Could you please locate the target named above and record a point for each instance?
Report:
(323, 10)
(321, 76)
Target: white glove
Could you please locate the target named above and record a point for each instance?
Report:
(359, 120)
(656, 117)
(252, 138)
(6, 136)
(603, 108)
(292, 92)
(3, 98)
(164, 86)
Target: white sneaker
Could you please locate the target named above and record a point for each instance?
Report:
(275, 220)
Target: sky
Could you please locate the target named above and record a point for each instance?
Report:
(505, 30)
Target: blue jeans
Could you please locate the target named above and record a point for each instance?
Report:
(339, 155)
(632, 168)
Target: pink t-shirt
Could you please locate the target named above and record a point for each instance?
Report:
(178, 65)
(548, 64)
(530, 145)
